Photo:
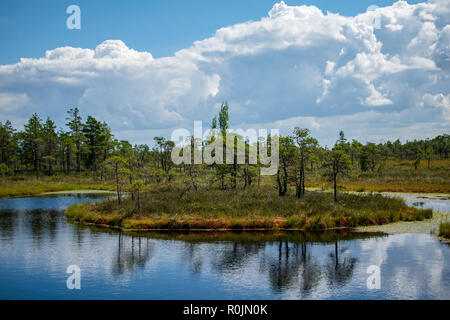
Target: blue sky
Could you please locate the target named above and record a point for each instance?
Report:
(150, 67)
(161, 27)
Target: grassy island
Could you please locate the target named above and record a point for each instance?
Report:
(254, 208)
(20, 186)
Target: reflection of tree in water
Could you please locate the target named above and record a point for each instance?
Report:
(193, 256)
(79, 236)
(234, 256)
(288, 265)
(293, 266)
(132, 253)
(36, 223)
(339, 270)
(8, 223)
(52, 221)
(40, 222)
(310, 271)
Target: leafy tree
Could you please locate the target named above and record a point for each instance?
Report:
(214, 123)
(161, 141)
(33, 141)
(342, 140)
(355, 150)
(5, 170)
(419, 155)
(250, 170)
(50, 138)
(7, 142)
(126, 151)
(137, 187)
(223, 117)
(306, 145)
(67, 147)
(397, 149)
(76, 128)
(337, 164)
(429, 154)
(223, 170)
(287, 159)
(142, 152)
(118, 166)
(95, 135)
(369, 157)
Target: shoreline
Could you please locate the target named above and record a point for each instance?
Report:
(123, 229)
(301, 221)
(86, 191)
(56, 193)
(267, 224)
(427, 226)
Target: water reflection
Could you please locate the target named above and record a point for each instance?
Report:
(339, 271)
(131, 255)
(8, 223)
(285, 264)
(37, 245)
(285, 269)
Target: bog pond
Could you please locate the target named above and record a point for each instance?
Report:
(37, 245)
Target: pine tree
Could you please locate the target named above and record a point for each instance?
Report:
(33, 141)
(76, 128)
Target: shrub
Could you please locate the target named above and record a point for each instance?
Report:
(444, 230)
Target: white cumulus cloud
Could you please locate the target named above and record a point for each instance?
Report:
(297, 65)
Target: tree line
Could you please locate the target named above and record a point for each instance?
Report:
(89, 146)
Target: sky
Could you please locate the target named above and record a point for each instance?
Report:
(149, 67)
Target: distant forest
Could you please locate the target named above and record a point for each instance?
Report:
(88, 145)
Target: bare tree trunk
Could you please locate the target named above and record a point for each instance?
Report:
(335, 187)
(119, 200)
(303, 180)
(78, 158)
(280, 192)
(138, 200)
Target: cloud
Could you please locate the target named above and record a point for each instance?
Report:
(11, 102)
(438, 101)
(364, 74)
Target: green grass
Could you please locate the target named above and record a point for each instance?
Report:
(246, 209)
(28, 185)
(444, 230)
(398, 176)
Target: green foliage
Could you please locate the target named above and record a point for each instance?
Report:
(224, 117)
(76, 127)
(444, 230)
(336, 164)
(117, 166)
(5, 170)
(8, 143)
(287, 154)
(90, 148)
(417, 163)
(307, 153)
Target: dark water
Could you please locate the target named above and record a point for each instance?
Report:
(37, 245)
